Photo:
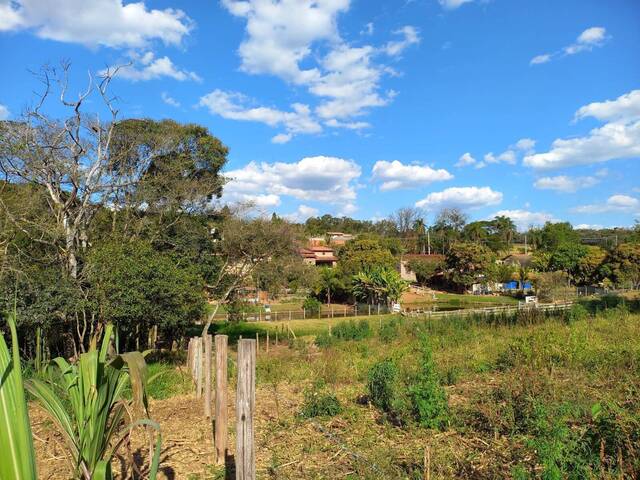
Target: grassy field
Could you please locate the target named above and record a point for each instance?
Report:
(522, 397)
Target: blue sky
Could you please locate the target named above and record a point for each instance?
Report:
(526, 108)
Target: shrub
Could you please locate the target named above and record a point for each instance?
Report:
(382, 384)
(388, 332)
(429, 400)
(351, 330)
(312, 305)
(577, 312)
(318, 402)
(324, 340)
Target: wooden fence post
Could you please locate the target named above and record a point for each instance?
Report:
(267, 341)
(245, 403)
(257, 342)
(199, 372)
(221, 399)
(207, 376)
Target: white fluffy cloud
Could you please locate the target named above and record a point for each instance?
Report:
(302, 213)
(625, 107)
(615, 203)
(4, 112)
(618, 139)
(96, 22)
(566, 184)
(465, 159)
(524, 218)
(509, 156)
(395, 175)
(586, 41)
(351, 84)
(461, 197)
(322, 179)
(410, 37)
(148, 67)
(282, 37)
(280, 34)
(235, 106)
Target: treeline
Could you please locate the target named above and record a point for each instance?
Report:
(113, 221)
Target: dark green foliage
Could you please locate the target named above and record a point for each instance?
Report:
(382, 385)
(360, 255)
(319, 402)
(578, 312)
(468, 263)
(410, 396)
(388, 332)
(324, 340)
(311, 305)
(136, 287)
(425, 269)
(429, 400)
(350, 330)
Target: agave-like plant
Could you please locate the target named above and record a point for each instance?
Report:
(94, 428)
(17, 456)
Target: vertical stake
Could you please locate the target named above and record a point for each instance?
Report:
(245, 403)
(207, 376)
(221, 399)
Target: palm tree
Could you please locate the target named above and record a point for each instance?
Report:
(419, 227)
(506, 228)
(329, 281)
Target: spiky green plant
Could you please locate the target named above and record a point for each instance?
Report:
(94, 428)
(17, 457)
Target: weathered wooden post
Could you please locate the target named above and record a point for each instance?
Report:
(276, 338)
(221, 399)
(245, 403)
(257, 342)
(304, 313)
(199, 372)
(207, 376)
(267, 341)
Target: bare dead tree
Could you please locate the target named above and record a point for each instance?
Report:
(70, 158)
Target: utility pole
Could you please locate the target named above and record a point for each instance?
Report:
(429, 240)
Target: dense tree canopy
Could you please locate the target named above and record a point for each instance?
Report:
(468, 263)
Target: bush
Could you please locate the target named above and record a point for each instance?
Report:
(577, 312)
(320, 403)
(429, 400)
(324, 340)
(382, 384)
(351, 330)
(312, 305)
(388, 332)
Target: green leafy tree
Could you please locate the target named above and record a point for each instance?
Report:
(553, 235)
(136, 287)
(468, 263)
(567, 258)
(425, 269)
(363, 254)
(589, 266)
(622, 265)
